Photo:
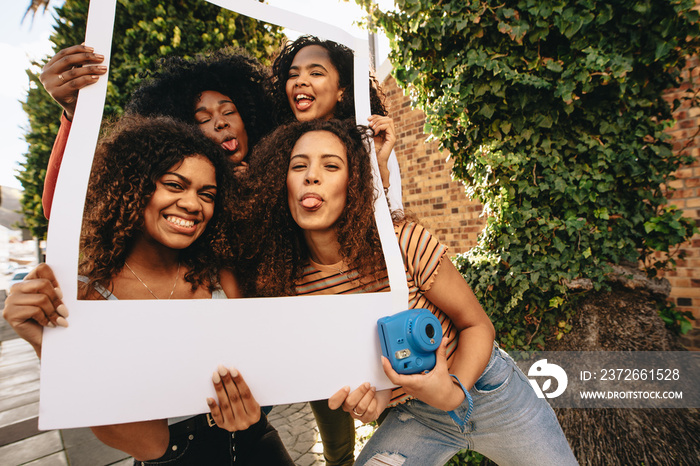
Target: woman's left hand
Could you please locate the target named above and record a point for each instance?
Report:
(241, 169)
(436, 388)
(364, 403)
(384, 141)
(237, 409)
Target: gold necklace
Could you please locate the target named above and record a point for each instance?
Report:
(149, 290)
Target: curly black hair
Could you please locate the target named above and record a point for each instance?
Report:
(279, 241)
(342, 58)
(174, 88)
(129, 160)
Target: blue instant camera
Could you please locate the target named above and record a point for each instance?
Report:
(409, 340)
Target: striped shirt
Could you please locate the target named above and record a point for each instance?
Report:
(422, 255)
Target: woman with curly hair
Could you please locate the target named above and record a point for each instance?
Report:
(312, 79)
(155, 212)
(222, 92)
(475, 396)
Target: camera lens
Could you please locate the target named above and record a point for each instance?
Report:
(430, 330)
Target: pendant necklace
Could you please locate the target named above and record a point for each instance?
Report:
(344, 273)
(146, 286)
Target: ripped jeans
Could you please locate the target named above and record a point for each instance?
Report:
(509, 425)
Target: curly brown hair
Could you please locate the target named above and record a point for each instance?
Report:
(279, 241)
(175, 86)
(135, 152)
(342, 58)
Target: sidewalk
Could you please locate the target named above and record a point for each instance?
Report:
(21, 443)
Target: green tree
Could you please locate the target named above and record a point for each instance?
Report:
(554, 115)
(144, 32)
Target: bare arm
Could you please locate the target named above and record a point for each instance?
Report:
(451, 293)
(69, 71)
(476, 333)
(146, 440)
(229, 284)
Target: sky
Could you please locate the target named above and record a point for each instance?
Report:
(22, 41)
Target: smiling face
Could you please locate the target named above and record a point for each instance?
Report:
(182, 204)
(317, 180)
(313, 85)
(219, 120)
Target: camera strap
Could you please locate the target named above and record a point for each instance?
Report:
(469, 398)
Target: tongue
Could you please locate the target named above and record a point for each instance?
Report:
(231, 145)
(303, 104)
(311, 202)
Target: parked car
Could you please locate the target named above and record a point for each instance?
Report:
(17, 277)
(11, 267)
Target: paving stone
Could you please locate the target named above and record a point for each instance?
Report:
(17, 390)
(57, 459)
(19, 414)
(84, 449)
(31, 449)
(19, 431)
(29, 367)
(19, 400)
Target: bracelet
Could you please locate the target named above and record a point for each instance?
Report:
(466, 394)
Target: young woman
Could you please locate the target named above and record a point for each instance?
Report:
(223, 93)
(323, 240)
(153, 230)
(312, 79)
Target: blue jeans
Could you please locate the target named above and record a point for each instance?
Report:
(509, 425)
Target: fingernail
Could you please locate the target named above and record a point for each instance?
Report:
(61, 322)
(59, 293)
(101, 57)
(102, 68)
(88, 48)
(210, 401)
(222, 370)
(62, 310)
(216, 378)
(234, 372)
(51, 324)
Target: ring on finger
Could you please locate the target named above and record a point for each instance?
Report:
(356, 413)
(60, 76)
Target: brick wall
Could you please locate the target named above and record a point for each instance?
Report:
(685, 280)
(429, 192)
(441, 203)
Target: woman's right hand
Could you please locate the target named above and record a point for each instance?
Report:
(70, 70)
(364, 403)
(35, 303)
(237, 409)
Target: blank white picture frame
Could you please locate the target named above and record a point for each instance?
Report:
(125, 361)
